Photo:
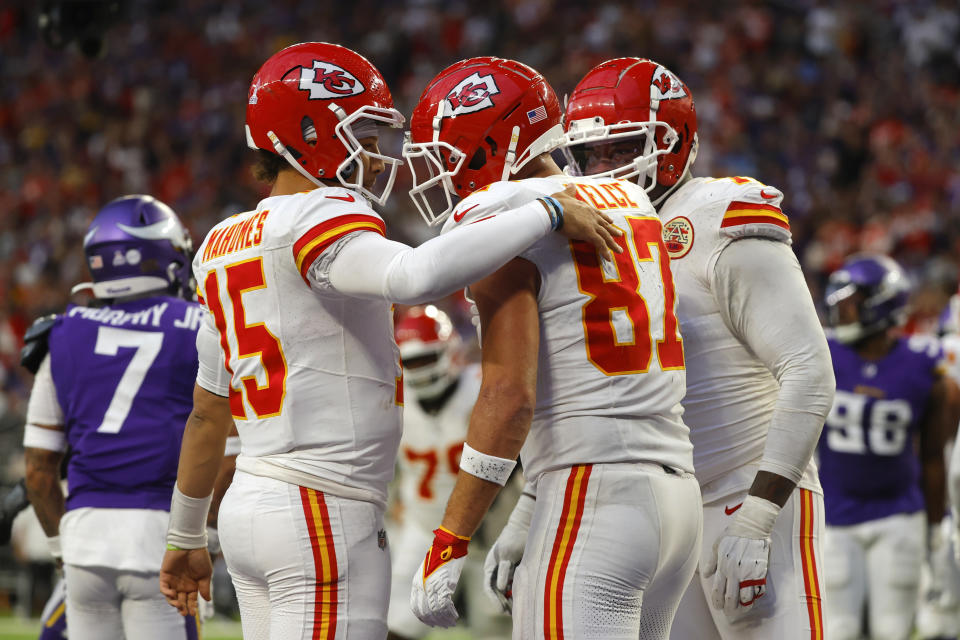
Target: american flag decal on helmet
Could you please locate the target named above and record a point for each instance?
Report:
(536, 115)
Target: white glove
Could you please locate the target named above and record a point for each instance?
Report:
(205, 608)
(954, 528)
(935, 573)
(740, 556)
(213, 541)
(431, 597)
(505, 554)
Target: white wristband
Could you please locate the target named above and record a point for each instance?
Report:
(53, 543)
(188, 521)
(756, 518)
(486, 467)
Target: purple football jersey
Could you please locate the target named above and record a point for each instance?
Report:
(124, 376)
(869, 467)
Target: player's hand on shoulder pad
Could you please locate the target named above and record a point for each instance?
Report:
(584, 222)
(505, 554)
(184, 573)
(431, 595)
(737, 568)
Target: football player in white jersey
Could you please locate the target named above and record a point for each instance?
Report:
(298, 349)
(759, 380)
(938, 614)
(583, 373)
(439, 393)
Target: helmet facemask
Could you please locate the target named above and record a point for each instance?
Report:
(350, 172)
(432, 182)
(583, 136)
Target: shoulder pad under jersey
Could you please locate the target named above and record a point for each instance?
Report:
(36, 342)
(753, 209)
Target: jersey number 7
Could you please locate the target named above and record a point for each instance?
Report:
(615, 299)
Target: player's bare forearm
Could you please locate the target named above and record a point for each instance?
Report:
(204, 439)
(224, 477)
(43, 487)
(773, 487)
(510, 330)
(468, 504)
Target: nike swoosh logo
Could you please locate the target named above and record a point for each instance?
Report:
(344, 198)
(730, 510)
(764, 194)
(457, 217)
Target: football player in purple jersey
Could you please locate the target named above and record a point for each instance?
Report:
(114, 383)
(881, 452)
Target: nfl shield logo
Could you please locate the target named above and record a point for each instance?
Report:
(382, 539)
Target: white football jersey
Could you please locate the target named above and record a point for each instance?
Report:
(430, 450)
(730, 393)
(314, 373)
(951, 353)
(611, 366)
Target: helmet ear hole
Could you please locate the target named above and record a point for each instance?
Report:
(478, 160)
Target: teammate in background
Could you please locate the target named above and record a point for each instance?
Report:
(300, 352)
(115, 387)
(439, 394)
(891, 391)
(587, 349)
(759, 382)
(53, 621)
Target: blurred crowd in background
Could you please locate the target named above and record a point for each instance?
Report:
(851, 108)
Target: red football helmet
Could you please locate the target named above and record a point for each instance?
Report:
(428, 348)
(308, 102)
(477, 122)
(633, 99)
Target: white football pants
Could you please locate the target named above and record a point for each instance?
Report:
(305, 564)
(791, 609)
(106, 604)
(610, 550)
(876, 565)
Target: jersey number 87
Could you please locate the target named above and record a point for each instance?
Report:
(615, 297)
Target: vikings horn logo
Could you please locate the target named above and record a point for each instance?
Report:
(326, 81)
(473, 93)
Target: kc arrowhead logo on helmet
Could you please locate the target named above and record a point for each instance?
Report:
(667, 84)
(326, 81)
(473, 93)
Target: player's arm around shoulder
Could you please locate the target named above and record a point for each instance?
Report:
(570, 215)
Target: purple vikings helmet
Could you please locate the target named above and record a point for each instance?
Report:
(884, 290)
(137, 244)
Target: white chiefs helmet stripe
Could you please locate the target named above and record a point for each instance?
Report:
(326, 81)
(471, 94)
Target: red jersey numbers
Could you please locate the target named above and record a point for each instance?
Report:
(252, 340)
(431, 459)
(616, 319)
